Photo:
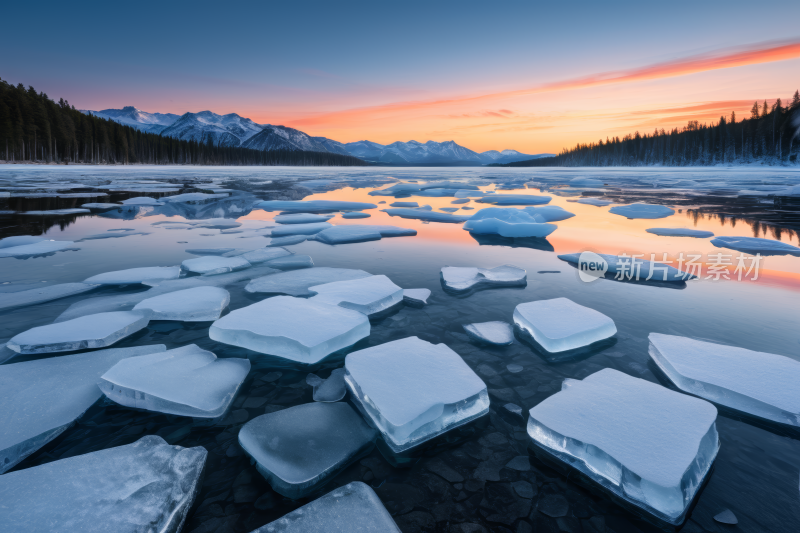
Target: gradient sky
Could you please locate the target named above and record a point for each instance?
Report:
(536, 77)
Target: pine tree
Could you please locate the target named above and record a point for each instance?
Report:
(795, 100)
(754, 111)
(765, 109)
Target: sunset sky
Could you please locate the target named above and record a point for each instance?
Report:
(535, 77)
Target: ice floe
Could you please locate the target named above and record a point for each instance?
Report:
(262, 255)
(611, 426)
(301, 218)
(198, 304)
(439, 188)
(291, 262)
(111, 235)
(135, 275)
(367, 295)
(756, 245)
(560, 324)
(297, 329)
(470, 278)
(761, 384)
(514, 199)
(300, 229)
(209, 251)
(332, 389)
(549, 213)
(404, 204)
(56, 212)
(361, 233)
(633, 268)
(680, 232)
(142, 200)
(416, 297)
(424, 214)
(38, 248)
(642, 211)
(597, 202)
(45, 293)
(508, 222)
(19, 240)
(42, 398)
(356, 214)
(186, 381)
(413, 390)
(313, 206)
(300, 449)
(495, 333)
(145, 486)
(297, 282)
(100, 206)
(211, 265)
(194, 198)
(288, 241)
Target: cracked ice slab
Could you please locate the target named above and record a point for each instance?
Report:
(369, 295)
(38, 248)
(42, 398)
(145, 486)
(43, 294)
(91, 331)
(198, 304)
(297, 282)
(508, 222)
(187, 381)
(413, 390)
(761, 384)
(360, 233)
(135, 275)
(560, 324)
(496, 333)
(292, 262)
(756, 245)
(298, 458)
(467, 278)
(210, 265)
(680, 232)
(611, 426)
(642, 211)
(354, 507)
(297, 329)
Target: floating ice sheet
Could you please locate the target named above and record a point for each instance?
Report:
(416, 297)
(680, 232)
(141, 200)
(300, 449)
(354, 507)
(560, 324)
(367, 295)
(301, 218)
(630, 268)
(100, 206)
(145, 486)
(360, 233)
(424, 214)
(356, 214)
(413, 390)
(43, 294)
(313, 206)
(549, 213)
(291, 262)
(642, 211)
(404, 204)
(297, 283)
(598, 202)
(496, 333)
(135, 275)
(262, 255)
(332, 389)
(91, 331)
(187, 381)
(39, 248)
(760, 384)
(19, 240)
(198, 304)
(297, 329)
(611, 426)
(471, 278)
(288, 241)
(111, 235)
(56, 212)
(209, 251)
(42, 398)
(514, 199)
(508, 222)
(755, 245)
(300, 229)
(212, 265)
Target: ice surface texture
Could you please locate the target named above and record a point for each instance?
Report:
(416, 297)
(508, 222)
(471, 278)
(37, 248)
(647, 444)
(90, 331)
(135, 275)
(367, 295)
(198, 304)
(210, 265)
(301, 218)
(755, 245)
(187, 381)
(425, 214)
(496, 333)
(301, 448)
(413, 390)
(293, 328)
(514, 199)
(361, 233)
(761, 384)
(43, 398)
(145, 486)
(680, 232)
(560, 324)
(313, 206)
(635, 268)
(352, 508)
(45, 293)
(291, 262)
(262, 255)
(297, 283)
(642, 211)
(301, 229)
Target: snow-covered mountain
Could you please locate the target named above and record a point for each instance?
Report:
(507, 156)
(432, 153)
(222, 130)
(131, 116)
(332, 146)
(283, 138)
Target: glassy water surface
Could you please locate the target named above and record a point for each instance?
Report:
(755, 475)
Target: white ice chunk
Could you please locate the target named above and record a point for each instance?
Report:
(416, 296)
(20, 240)
(361, 233)
(550, 213)
(187, 381)
(291, 262)
(293, 328)
(642, 211)
(356, 214)
(262, 255)
(198, 304)
(680, 232)
(508, 222)
(598, 202)
(135, 275)
(466, 278)
(145, 486)
(560, 324)
(332, 389)
(300, 229)
(367, 295)
(300, 449)
(210, 265)
(354, 507)
(43, 294)
(413, 390)
(496, 333)
(404, 204)
(39, 248)
(755, 245)
(647, 444)
(758, 383)
(42, 398)
(301, 218)
(141, 200)
(91, 331)
(297, 282)
(111, 235)
(288, 241)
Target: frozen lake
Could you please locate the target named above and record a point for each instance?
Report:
(756, 471)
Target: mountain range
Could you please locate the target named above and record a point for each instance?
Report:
(234, 130)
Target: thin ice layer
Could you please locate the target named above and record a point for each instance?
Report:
(301, 229)
(187, 381)
(135, 275)
(297, 282)
(38, 248)
(262, 255)
(560, 324)
(514, 199)
(508, 222)
(91, 331)
(758, 383)
(361, 233)
(45, 293)
(425, 214)
(413, 390)
(211, 265)
(367, 295)
(19, 240)
(301, 218)
(293, 328)
(648, 211)
(300, 449)
(611, 426)
(145, 486)
(43, 398)
(291, 262)
(466, 278)
(496, 333)
(680, 232)
(198, 304)
(550, 213)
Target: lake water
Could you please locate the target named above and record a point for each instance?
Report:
(756, 473)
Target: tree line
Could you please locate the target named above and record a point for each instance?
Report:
(770, 135)
(34, 128)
